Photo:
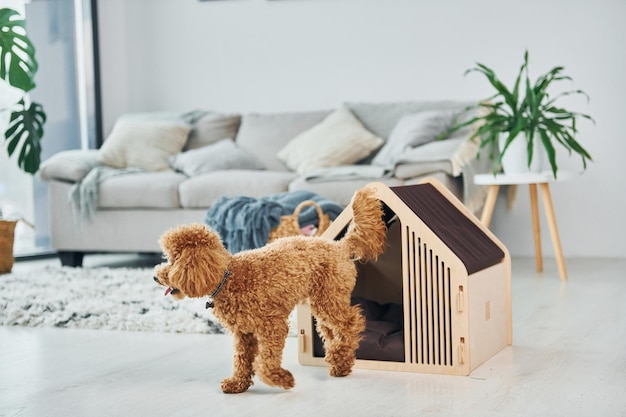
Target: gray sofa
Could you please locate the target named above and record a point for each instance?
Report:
(139, 186)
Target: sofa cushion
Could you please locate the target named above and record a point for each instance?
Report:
(221, 155)
(340, 139)
(265, 134)
(211, 128)
(141, 190)
(413, 130)
(381, 118)
(205, 190)
(72, 165)
(143, 143)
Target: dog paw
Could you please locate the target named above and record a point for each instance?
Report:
(279, 378)
(235, 385)
(340, 370)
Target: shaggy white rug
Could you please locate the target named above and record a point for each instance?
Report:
(99, 298)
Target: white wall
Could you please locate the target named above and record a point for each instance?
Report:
(284, 55)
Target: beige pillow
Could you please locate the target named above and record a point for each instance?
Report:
(144, 144)
(340, 139)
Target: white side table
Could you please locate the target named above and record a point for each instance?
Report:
(532, 179)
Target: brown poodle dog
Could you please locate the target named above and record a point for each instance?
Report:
(253, 292)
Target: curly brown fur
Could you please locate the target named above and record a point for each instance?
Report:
(265, 284)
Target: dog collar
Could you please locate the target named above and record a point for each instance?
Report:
(209, 303)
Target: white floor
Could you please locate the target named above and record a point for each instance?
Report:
(568, 359)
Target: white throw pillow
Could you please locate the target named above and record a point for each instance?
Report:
(340, 139)
(414, 130)
(144, 144)
(224, 154)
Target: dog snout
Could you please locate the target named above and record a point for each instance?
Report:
(156, 280)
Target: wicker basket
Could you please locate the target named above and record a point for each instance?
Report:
(289, 225)
(7, 229)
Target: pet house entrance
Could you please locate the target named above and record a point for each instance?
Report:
(378, 291)
(437, 300)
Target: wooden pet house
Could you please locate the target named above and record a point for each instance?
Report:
(437, 300)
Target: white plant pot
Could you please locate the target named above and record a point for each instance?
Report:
(515, 160)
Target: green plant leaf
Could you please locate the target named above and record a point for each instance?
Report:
(530, 105)
(17, 50)
(550, 151)
(24, 133)
(544, 81)
(577, 147)
(496, 83)
(567, 93)
(518, 80)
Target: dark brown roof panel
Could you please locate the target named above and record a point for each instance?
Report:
(467, 241)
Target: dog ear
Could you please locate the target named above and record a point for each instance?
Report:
(191, 274)
(199, 263)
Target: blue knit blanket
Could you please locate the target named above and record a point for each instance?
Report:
(245, 222)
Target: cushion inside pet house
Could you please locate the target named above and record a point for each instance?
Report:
(437, 300)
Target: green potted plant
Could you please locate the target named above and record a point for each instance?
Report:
(17, 68)
(526, 113)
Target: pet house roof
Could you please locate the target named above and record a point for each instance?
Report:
(465, 239)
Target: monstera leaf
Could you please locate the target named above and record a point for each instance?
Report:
(24, 134)
(18, 67)
(17, 50)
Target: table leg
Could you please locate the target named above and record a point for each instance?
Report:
(556, 242)
(490, 203)
(534, 209)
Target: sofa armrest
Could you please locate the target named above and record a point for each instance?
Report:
(72, 165)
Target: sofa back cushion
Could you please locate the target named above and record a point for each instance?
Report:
(381, 118)
(210, 128)
(265, 134)
(418, 129)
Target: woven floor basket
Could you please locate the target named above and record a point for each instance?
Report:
(289, 225)
(7, 235)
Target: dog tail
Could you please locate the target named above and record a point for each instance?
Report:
(367, 234)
